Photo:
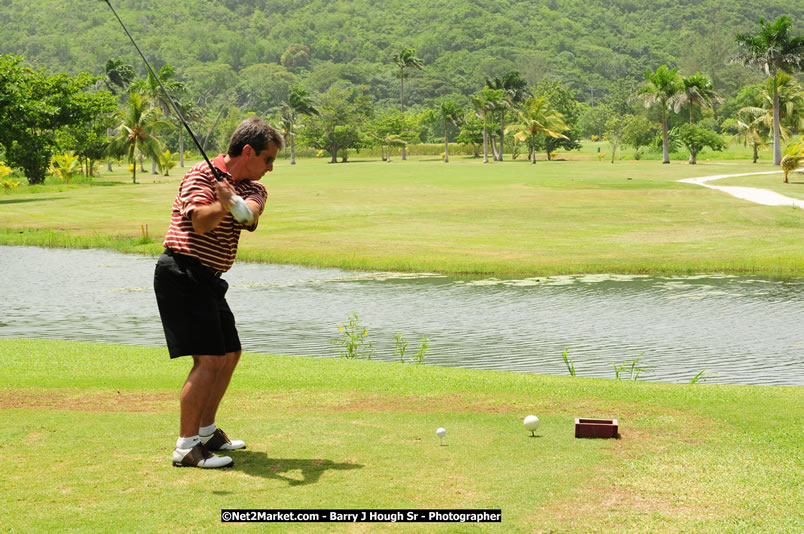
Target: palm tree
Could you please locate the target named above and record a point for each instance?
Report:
(485, 102)
(773, 49)
(138, 122)
(117, 75)
(752, 128)
(449, 113)
(538, 119)
(150, 88)
(406, 59)
(515, 91)
(299, 103)
(790, 99)
(698, 91)
(793, 158)
(661, 87)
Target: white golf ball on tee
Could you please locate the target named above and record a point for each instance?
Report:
(531, 423)
(441, 432)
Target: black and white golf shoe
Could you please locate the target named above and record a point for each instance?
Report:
(219, 441)
(199, 456)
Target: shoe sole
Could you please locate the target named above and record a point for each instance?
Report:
(228, 450)
(179, 464)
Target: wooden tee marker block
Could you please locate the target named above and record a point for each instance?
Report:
(596, 428)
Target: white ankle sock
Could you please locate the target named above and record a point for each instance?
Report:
(187, 443)
(207, 430)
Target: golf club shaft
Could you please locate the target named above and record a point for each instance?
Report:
(170, 98)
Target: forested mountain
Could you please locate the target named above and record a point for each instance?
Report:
(266, 46)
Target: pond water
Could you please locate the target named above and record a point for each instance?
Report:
(741, 330)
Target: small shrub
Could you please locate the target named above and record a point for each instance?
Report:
(65, 166)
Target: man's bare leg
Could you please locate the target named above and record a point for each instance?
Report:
(196, 392)
(224, 376)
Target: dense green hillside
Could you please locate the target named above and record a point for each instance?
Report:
(587, 45)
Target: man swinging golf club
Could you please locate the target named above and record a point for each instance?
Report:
(216, 200)
(200, 245)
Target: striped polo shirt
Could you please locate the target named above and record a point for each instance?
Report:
(217, 248)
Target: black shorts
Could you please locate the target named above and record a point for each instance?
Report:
(192, 304)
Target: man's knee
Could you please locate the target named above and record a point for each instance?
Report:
(233, 357)
(212, 364)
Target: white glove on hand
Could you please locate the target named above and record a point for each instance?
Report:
(240, 210)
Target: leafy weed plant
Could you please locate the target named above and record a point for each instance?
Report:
(400, 346)
(568, 362)
(420, 355)
(354, 341)
(633, 371)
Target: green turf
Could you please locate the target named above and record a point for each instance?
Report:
(509, 218)
(87, 430)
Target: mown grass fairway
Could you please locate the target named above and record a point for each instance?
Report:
(87, 431)
(465, 217)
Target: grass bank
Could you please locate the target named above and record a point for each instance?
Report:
(508, 218)
(87, 431)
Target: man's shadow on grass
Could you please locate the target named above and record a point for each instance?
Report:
(259, 464)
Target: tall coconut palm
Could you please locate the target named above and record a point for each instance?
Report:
(139, 120)
(697, 91)
(485, 102)
(118, 76)
(790, 105)
(516, 91)
(661, 88)
(406, 59)
(150, 88)
(752, 129)
(449, 112)
(299, 103)
(773, 49)
(538, 118)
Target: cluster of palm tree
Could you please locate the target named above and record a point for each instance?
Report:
(669, 91)
(779, 55)
(537, 117)
(778, 113)
(145, 112)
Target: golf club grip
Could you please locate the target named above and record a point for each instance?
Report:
(215, 173)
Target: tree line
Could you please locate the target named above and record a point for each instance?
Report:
(121, 115)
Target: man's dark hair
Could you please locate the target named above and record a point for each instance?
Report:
(254, 132)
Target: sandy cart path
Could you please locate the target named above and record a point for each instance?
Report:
(752, 194)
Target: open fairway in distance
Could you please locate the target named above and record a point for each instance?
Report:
(464, 217)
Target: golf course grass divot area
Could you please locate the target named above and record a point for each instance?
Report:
(88, 429)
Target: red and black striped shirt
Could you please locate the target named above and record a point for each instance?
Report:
(217, 248)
